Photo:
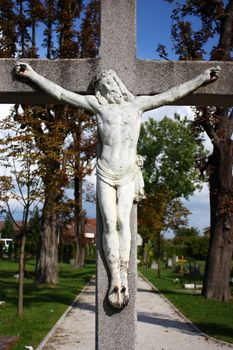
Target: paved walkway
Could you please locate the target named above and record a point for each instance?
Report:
(159, 327)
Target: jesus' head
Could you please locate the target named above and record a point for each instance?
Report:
(110, 89)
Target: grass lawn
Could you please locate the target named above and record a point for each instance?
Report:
(42, 305)
(212, 317)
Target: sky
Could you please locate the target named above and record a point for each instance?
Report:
(153, 28)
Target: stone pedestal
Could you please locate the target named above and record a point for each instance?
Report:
(115, 329)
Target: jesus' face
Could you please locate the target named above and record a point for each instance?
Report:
(110, 90)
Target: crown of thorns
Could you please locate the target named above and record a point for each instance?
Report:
(102, 74)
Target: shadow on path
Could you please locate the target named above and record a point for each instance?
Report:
(158, 320)
(84, 306)
(147, 290)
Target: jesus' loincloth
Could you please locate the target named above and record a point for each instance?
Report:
(117, 179)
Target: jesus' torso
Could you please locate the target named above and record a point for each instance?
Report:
(119, 128)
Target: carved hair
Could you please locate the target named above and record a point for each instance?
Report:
(127, 96)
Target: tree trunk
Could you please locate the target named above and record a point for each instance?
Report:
(80, 253)
(79, 240)
(218, 265)
(21, 275)
(219, 260)
(159, 254)
(79, 216)
(47, 266)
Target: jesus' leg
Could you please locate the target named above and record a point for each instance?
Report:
(125, 197)
(110, 240)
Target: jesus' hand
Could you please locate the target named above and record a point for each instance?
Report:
(211, 74)
(23, 69)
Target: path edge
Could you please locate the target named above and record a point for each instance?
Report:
(60, 320)
(218, 341)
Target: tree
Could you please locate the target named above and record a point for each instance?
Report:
(33, 233)
(84, 131)
(90, 30)
(7, 29)
(216, 20)
(23, 36)
(193, 244)
(23, 186)
(169, 152)
(49, 21)
(83, 151)
(35, 13)
(49, 126)
(158, 214)
(8, 230)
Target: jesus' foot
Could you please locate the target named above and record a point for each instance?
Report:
(118, 297)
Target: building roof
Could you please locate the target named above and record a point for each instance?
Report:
(69, 230)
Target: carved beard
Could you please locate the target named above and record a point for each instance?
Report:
(114, 97)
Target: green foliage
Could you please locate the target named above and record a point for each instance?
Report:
(193, 244)
(1, 250)
(170, 150)
(146, 254)
(66, 252)
(33, 234)
(8, 230)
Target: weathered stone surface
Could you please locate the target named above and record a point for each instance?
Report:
(156, 76)
(115, 329)
(74, 75)
(142, 78)
(118, 36)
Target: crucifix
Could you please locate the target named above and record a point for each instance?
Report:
(145, 81)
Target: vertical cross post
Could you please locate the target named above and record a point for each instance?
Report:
(118, 38)
(116, 329)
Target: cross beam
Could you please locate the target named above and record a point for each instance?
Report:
(117, 51)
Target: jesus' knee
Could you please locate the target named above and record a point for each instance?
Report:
(124, 227)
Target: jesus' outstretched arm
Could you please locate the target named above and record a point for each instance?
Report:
(146, 103)
(64, 96)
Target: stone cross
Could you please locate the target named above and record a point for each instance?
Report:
(116, 329)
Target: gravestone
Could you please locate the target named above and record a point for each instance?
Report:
(169, 262)
(154, 265)
(117, 329)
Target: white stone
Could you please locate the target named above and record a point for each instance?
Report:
(119, 177)
(154, 265)
(192, 286)
(169, 262)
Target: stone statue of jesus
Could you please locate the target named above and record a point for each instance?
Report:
(119, 178)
